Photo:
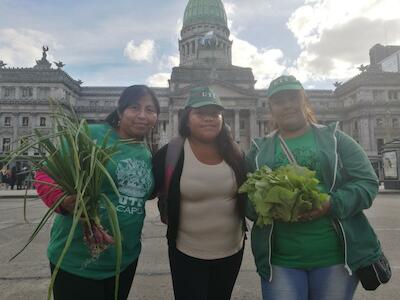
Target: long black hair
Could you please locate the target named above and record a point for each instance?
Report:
(131, 95)
(229, 151)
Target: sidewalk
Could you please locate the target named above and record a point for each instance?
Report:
(17, 194)
(383, 191)
(32, 193)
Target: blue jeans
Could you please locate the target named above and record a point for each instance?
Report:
(330, 283)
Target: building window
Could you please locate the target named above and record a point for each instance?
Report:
(164, 126)
(7, 121)
(27, 92)
(242, 125)
(25, 121)
(23, 142)
(6, 144)
(379, 144)
(93, 103)
(395, 123)
(379, 123)
(42, 121)
(356, 125)
(9, 92)
(393, 95)
(44, 93)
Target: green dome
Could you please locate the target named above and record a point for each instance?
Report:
(205, 11)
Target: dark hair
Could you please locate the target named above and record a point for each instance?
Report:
(229, 151)
(308, 110)
(130, 96)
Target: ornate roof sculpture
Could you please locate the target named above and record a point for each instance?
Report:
(41, 72)
(43, 63)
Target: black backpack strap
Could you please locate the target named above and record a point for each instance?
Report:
(174, 150)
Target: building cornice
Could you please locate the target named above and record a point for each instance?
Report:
(32, 76)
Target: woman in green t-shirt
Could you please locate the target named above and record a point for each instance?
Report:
(81, 276)
(315, 258)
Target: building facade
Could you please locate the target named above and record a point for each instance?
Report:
(367, 106)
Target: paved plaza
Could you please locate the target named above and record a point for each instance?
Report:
(27, 277)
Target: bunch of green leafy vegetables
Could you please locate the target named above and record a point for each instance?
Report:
(283, 194)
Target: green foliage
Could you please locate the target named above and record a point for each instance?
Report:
(77, 163)
(283, 194)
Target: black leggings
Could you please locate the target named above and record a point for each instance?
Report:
(71, 287)
(199, 279)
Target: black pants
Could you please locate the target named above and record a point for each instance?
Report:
(199, 279)
(71, 287)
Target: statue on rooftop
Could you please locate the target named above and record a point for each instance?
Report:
(337, 84)
(362, 68)
(45, 49)
(2, 64)
(59, 64)
(43, 63)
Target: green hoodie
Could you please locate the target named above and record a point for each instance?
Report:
(352, 185)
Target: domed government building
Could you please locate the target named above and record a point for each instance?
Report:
(367, 106)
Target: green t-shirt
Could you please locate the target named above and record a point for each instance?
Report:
(305, 244)
(133, 177)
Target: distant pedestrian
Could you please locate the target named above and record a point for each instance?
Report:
(20, 178)
(12, 177)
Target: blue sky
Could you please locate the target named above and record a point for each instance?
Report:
(124, 42)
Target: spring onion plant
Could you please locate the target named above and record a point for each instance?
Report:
(77, 164)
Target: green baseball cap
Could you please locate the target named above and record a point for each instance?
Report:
(283, 83)
(202, 96)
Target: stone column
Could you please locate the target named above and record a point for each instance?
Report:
(15, 126)
(169, 128)
(365, 137)
(253, 123)
(17, 93)
(237, 125)
(34, 93)
(262, 128)
(175, 123)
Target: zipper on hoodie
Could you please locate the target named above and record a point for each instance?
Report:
(270, 251)
(346, 265)
(272, 224)
(258, 153)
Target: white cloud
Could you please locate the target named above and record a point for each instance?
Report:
(142, 52)
(335, 35)
(158, 80)
(167, 62)
(248, 8)
(266, 63)
(178, 28)
(21, 47)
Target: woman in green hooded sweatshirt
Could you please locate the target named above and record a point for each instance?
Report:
(315, 258)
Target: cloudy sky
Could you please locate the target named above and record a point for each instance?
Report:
(122, 42)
